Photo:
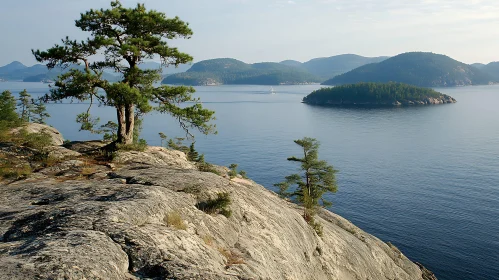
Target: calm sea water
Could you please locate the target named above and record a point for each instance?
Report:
(424, 178)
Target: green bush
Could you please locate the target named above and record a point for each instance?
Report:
(219, 205)
(37, 141)
(208, 167)
(233, 170)
(140, 146)
(243, 174)
(8, 170)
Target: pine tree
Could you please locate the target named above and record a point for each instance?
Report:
(317, 180)
(8, 107)
(201, 159)
(38, 112)
(120, 39)
(233, 170)
(192, 155)
(163, 138)
(26, 105)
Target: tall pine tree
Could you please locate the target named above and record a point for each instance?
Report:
(120, 39)
(26, 105)
(318, 178)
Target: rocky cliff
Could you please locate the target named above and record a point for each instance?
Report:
(84, 218)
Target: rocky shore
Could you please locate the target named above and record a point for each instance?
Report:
(85, 218)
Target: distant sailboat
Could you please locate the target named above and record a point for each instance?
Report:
(272, 91)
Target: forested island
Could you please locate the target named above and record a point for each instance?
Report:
(419, 69)
(376, 94)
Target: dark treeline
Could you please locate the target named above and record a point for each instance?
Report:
(372, 93)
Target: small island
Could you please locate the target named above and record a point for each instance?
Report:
(376, 94)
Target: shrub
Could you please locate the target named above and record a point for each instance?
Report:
(139, 146)
(243, 174)
(208, 167)
(219, 205)
(37, 141)
(174, 219)
(233, 170)
(8, 170)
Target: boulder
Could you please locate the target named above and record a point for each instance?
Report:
(55, 135)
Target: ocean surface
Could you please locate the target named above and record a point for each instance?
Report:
(424, 178)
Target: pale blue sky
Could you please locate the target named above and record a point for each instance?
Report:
(275, 30)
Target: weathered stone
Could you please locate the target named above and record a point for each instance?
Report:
(157, 156)
(59, 152)
(117, 228)
(55, 135)
(85, 146)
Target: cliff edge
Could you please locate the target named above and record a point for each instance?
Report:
(84, 219)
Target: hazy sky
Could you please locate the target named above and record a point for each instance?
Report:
(275, 30)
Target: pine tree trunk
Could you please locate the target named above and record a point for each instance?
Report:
(126, 122)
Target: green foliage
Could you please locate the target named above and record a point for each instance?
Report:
(192, 154)
(38, 141)
(317, 180)
(25, 105)
(128, 37)
(232, 71)
(243, 174)
(8, 113)
(318, 228)
(233, 170)
(9, 170)
(201, 159)
(163, 137)
(218, 205)
(38, 112)
(178, 145)
(140, 145)
(415, 68)
(371, 93)
(208, 167)
(110, 130)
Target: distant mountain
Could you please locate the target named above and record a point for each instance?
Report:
(11, 67)
(291, 63)
(478, 65)
(46, 75)
(492, 69)
(232, 71)
(329, 67)
(16, 71)
(165, 70)
(416, 68)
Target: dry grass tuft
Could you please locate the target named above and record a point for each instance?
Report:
(208, 240)
(174, 219)
(232, 257)
(88, 171)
